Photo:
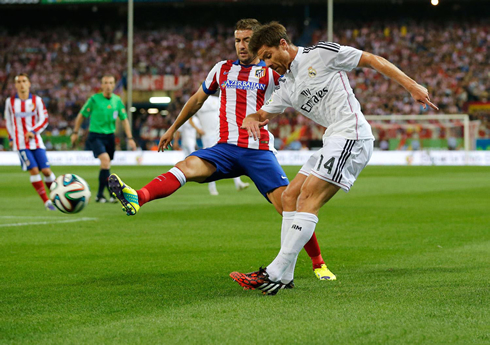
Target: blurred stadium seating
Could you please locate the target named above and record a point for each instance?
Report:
(65, 62)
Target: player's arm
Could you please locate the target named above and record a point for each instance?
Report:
(193, 124)
(129, 136)
(190, 108)
(383, 66)
(84, 112)
(9, 121)
(254, 122)
(42, 113)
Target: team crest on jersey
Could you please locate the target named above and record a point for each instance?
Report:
(109, 106)
(311, 72)
(260, 73)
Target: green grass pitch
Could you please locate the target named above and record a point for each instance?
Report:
(410, 247)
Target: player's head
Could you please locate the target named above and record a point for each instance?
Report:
(243, 32)
(108, 83)
(22, 83)
(271, 43)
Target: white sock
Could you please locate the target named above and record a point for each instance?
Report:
(287, 219)
(50, 178)
(237, 181)
(300, 232)
(35, 178)
(179, 175)
(212, 187)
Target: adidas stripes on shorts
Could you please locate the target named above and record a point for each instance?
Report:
(339, 161)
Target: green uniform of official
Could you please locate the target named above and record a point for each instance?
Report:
(103, 113)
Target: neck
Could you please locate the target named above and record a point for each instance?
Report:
(107, 95)
(23, 96)
(253, 62)
(293, 51)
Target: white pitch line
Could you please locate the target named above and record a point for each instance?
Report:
(52, 222)
(32, 217)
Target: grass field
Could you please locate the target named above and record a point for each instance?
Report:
(410, 247)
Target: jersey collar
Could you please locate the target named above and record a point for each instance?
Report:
(17, 95)
(260, 64)
(295, 63)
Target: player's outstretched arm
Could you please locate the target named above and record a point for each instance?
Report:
(190, 108)
(254, 122)
(383, 66)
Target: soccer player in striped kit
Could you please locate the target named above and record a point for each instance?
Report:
(316, 84)
(244, 86)
(26, 118)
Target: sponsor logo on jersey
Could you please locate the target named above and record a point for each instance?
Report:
(314, 100)
(260, 73)
(311, 72)
(242, 85)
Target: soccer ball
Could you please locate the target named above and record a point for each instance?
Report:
(70, 193)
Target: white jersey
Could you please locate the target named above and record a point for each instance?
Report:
(208, 117)
(23, 117)
(318, 87)
(188, 136)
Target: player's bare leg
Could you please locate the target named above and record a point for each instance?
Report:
(314, 194)
(312, 248)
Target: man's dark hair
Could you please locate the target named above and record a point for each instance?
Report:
(22, 75)
(269, 35)
(247, 24)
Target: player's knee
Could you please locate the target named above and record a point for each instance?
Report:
(289, 198)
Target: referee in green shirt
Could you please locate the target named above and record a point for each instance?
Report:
(103, 109)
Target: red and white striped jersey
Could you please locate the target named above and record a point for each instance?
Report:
(244, 89)
(23, 117)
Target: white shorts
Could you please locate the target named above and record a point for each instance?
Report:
(339, 161)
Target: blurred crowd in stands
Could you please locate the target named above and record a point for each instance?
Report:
(451, 59)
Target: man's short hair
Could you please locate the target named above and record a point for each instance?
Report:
(22, 75)
(269, 35)
(247, 24)
(108, 76)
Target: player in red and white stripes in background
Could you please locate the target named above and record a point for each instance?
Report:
(26, 118)
(244, 84)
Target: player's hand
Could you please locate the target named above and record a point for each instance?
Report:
(253, 126)
(166, 140)
(200, 131)
(132, 144)
(74, 138)
(30, 135)
(421, 95)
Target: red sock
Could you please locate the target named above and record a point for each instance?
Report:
(313, 249)
(160, 187)
(39, 187)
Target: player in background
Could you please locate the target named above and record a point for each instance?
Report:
(244, 86)
(26, 118)
(103, 109)
(187, 134)
(208, 117)
(315, 83)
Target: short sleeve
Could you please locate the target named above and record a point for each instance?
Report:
(279, 100)
(210, 85)
(122, 110)
(87, 108)
(347, 58)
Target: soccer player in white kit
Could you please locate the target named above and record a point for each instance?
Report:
(208, 117)
(26, 118)
(315, 83)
